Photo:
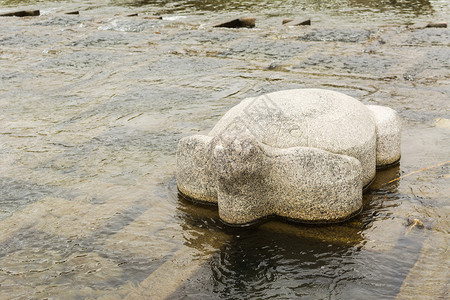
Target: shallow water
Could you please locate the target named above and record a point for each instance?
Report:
(92, 107)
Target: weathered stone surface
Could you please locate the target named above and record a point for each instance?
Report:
(316, 118)
(195, 177)
(300, 183)
(300, 154)
(237, 23)
(337, 35)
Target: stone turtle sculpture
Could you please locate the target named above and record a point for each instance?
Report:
(303, 154)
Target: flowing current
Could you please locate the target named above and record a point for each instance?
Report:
(92, 107)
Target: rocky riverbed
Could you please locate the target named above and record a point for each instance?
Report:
(92, 107)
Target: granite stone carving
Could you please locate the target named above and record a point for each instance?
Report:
(302, 154)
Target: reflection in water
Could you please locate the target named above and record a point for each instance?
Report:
(278, 260)
(259, 261)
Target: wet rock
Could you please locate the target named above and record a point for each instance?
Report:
(103, 39)
(237, 23)
(297, 22)
(436, 59)
(299, 154)
(19, 39)
(63, 20)
(337, 35)
(185, 65)
(21, 13)
(127, 25)
(355, 64)
(277, 50)
(194, 37)
(430, 36)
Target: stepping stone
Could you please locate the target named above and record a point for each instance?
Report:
(303, 155)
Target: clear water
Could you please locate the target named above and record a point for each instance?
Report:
(92, 107)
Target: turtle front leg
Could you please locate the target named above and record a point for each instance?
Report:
(195, 177)
(240, 165)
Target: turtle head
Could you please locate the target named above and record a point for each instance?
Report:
(237, 156)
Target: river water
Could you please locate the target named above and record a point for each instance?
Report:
(92, 107)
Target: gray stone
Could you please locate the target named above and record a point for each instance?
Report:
(300, 154)
(301, 183)
(307, 118)
(195, 177)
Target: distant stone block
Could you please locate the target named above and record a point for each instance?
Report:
(304, 155)
(153, 17)
(237, 23)
(21, 13)
(437, 25)
(423, 25)
(297, 22)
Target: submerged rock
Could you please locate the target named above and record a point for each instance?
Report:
(337, 35)
(300, 154)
